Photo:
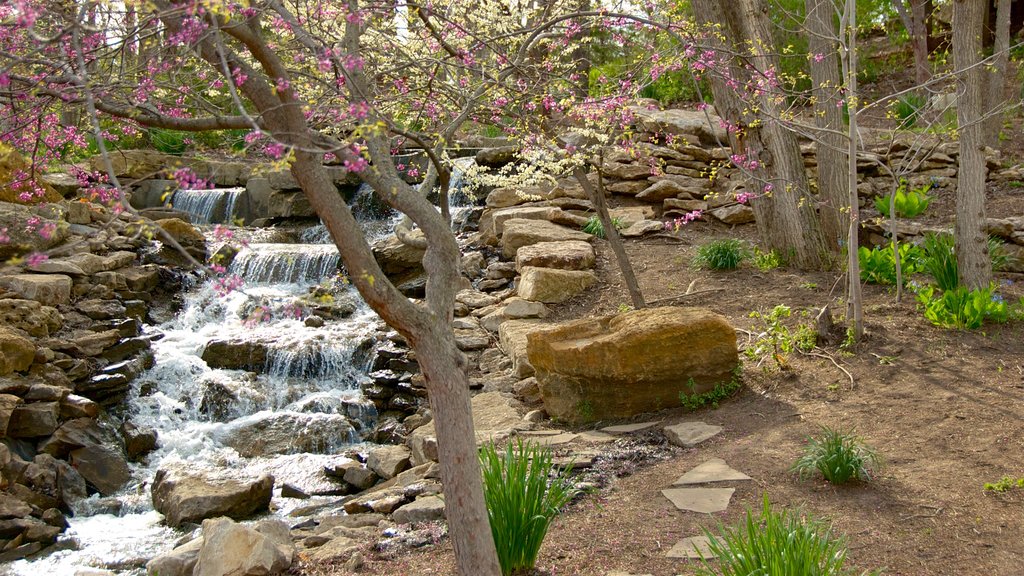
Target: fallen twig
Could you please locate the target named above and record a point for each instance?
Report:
(853, 382)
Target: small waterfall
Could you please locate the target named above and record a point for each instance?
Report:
(286, 263)
(208, 206)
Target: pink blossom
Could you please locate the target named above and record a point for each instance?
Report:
(36, 258)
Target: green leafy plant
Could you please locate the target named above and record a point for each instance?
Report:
(776, 340)
(715, 395)
(909, 203)
(724, 254)
(839, 456)
(775, 544)
(908, 108)
(172, 142)
(594, 226)
(1004, 484)
(765, 261)
(878, 265)
(521, 500)
(961, 308)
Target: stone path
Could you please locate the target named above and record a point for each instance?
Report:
(698, 490)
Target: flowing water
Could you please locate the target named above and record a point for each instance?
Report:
(287, 417)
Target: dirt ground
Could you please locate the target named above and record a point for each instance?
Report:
(944, 408)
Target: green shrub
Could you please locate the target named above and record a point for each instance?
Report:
(595, 227)
(961, 308)
(909, 204)
(169, 141)
(878, 266)
(723, 254)
(765, 261)
(1004, 484)
(776, 340)
(840, 457)
(940, 260)
(521, 501)
(908, 108)
(775, 544)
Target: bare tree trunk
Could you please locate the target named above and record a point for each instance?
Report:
(914, 21)
(996, 94)
(832, 158)
(971, 241)
(612, 235)
(785, 215)
(855, 300)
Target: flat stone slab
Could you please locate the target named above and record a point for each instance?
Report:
(556, 440)
(630, 428)
(706, 500)
(713, 470)
(689, 434)
(694, 548)
(596, 437)
(541, 432)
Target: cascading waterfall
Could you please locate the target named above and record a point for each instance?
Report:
(208, 206)
(288, 417)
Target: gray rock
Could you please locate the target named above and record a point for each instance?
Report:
(426, 509)
(689, 434)
(33, 420)
(102, 467)
(189, 498)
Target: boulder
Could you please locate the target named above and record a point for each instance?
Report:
(512, 338)
(522, 232)
(33, 420)
(236, 550)
(47, 289)
(660, 190)
(706, 126)
(388, 461)
(30, 316)
(550, 285)
(568, 255)
(184, 497)
(494, 418)
(615, 367)
(494, 222)
(8, 403)
(180, 561)
(426, 509)
(16, 352)
(496, 157)
(266, 433)
(102, 468)
(734, 214)
(397, 258)
(236, 354)
(12, 186)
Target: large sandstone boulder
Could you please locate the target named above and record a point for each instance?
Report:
(512, 336)
(192, 497)
(707, 127)
(619, 366)
(520, 232)
(180, 561)
(550, 285)
(232, 549)
(30, 316)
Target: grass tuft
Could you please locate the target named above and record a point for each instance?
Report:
(725, 254)
(521, 500)
(839, 456)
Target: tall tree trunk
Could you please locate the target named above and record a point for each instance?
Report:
(854, 297)
(786, 217)
(971, 241)
(914, 21)
(834, 201)
(996, 94)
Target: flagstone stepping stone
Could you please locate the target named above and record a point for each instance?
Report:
(556, 440)
(714, 470)
(694, 547)
(596, 437)
(541, 432)
(705, 500)
(630, 428)
(689, 434)
(578, 461)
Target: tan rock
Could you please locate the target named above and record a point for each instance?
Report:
(16, 352)
(550, 285)
(494, 418)
(619, 366)
(521, 232)
(567, 255)
(47, 289)
(512, 336)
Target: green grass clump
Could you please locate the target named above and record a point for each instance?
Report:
(521, 501)
(939, 261)
(594, 226)
(839, 456)
(775, 544)
(725, 254)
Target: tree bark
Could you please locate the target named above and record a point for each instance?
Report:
(914, 21)
(996, 95)
(971, 241)
(827, 84)
(786, 217)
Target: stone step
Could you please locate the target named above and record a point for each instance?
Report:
(690, 434)
(706, 500)
(713, 470)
